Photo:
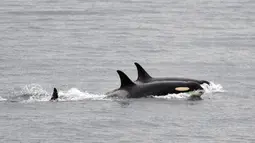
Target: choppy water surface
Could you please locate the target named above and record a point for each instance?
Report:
(77, 46)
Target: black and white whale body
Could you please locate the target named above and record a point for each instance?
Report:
(129, 89)
(144, 77)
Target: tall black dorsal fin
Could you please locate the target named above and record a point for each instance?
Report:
(54, 94)
(142, 74)
(124, 79)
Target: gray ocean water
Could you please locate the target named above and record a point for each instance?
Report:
(77, 46)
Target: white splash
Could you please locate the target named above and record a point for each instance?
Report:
(37, 94)
(212, 88)
(34, 92)
(174, 96)
(33, 89)
(74, 94)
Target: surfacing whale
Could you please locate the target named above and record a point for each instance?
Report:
(130, 89)
(144, 77)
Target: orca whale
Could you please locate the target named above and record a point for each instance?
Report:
(130, 89)
(144, 77)
(54, 95)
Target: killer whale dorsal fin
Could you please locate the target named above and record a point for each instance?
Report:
(142, 74)
(124, 79)
(54, 94)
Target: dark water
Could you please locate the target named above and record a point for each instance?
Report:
(77, 46)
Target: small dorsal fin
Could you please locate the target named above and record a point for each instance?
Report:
(54, 94)
(124, 79)
(142, 74)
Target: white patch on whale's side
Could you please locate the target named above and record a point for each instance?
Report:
(182, 88)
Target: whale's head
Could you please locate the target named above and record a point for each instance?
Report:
(204, 81)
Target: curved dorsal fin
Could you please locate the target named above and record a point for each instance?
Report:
(124, 79)
(142, 74)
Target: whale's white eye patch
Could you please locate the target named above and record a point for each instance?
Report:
(182, 88)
